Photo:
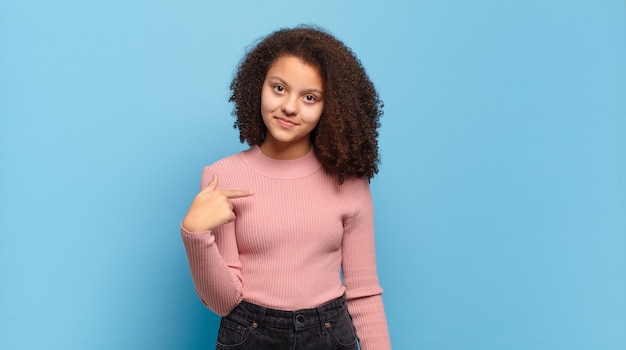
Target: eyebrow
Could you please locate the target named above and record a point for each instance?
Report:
(282, 81)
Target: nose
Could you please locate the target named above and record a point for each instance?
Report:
(290, 106)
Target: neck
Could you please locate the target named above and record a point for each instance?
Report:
(282, 151)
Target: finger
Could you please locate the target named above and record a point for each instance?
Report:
(212, 184)
(237, 193)
(230, 219)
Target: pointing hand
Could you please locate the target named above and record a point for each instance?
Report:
(212, 208)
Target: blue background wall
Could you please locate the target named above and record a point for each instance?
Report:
(501, 200)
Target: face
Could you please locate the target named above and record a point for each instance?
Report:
(291, 105)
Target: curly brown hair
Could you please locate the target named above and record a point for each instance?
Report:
(345, 139)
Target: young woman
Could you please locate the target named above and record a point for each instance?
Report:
(280, 239)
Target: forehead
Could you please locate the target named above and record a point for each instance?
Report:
(294, 70)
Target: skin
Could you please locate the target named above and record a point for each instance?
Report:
(291, 106)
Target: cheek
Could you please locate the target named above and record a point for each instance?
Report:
(313, 116)
(268, 101)
(264, 101)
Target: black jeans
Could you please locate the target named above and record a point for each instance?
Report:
(251, 326)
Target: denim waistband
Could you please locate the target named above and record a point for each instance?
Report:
(298, 319)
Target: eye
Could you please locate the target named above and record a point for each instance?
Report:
(279, 89)
(310, 98)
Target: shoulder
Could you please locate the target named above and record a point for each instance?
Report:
(355, 190)
(225, 167)
(227, 162)
(359, 197)
(357, 185)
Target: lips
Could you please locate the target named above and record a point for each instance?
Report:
(285, 122)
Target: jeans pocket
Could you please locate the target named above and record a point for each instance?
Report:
(342, 332)
(233, 334)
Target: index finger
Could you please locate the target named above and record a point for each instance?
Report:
(237, 193)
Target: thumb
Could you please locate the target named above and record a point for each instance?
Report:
(212, 184)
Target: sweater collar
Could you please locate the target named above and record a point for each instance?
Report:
(278, 168)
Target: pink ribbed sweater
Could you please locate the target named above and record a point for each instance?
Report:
(289, 243)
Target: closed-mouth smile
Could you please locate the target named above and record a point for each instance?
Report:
(285, 122)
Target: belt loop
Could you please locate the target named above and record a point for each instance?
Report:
(262, 314)
(322, 317)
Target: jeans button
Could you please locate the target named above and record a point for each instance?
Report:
(300, 318)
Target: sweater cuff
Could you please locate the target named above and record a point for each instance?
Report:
(205, 236)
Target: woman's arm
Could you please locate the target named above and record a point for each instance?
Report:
(212, 248)
(363, 291)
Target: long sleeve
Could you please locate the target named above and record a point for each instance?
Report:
(363, 291)
(214, 264)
